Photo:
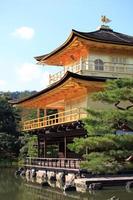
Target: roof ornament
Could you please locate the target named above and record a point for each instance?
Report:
(105, 21)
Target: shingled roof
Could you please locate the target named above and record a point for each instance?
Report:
(108, 35)
(104, 35)
(60, 82)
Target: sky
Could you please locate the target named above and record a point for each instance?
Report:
(30, 28)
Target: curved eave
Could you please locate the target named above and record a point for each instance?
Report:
(67, 42)
(73, 34)
(60, 82)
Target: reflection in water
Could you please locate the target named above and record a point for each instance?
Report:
(16, 188)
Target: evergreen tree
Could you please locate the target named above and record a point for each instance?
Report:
(9, 119)
(104, 149)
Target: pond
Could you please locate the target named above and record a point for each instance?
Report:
(17, 188)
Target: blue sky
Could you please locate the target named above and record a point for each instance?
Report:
(30, 28)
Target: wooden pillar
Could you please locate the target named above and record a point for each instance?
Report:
(45, 112)
(38, 112)
(65, 146)
(44, 115)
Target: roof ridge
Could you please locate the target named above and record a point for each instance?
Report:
(85, 32)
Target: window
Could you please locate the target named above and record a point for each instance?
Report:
(99, 65)
(118, 60)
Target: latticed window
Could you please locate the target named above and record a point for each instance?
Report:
(99, 64)
(118, 60)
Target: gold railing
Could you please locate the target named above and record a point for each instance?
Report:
(58, 118)
(87, 67)
(57, 76)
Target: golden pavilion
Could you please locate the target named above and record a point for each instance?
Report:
(87, 59)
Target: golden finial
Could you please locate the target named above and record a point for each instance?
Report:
(104, 19)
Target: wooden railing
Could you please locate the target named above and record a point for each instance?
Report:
(57, 76)
(50, 120)
(69, 163)
(88, 67)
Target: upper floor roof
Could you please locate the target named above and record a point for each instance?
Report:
(77, 40)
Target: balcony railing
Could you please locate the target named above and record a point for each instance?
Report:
(68, 163)
(50, 120)
(57, 76)
(88, 68)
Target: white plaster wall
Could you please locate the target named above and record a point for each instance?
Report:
(107, 57)
(104, 57)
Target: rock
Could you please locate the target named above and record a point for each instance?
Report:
(41, 174)
(19, 171)
(59, 184)
(23, 173)
(51, 175)
(60, 176)
(27, 173)
(33, 173)
(52, 183)
(69, 179)
(39, 180)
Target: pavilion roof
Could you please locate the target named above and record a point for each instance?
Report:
(103, 35)
(66, 83)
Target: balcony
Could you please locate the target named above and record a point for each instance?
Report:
(57, 76)
(89, 68)
(55, 119)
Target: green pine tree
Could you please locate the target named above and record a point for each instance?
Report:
(104, 151)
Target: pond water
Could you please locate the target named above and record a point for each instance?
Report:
(16, 188)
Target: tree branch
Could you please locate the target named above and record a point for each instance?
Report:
(119, 107)
(128, 107)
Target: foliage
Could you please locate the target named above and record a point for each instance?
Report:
(9, 120)
(28, 146)
(17, 94)
(23, 152)
(9, 117)
(11, 141)
(9, 146)
(104, 150)
(29, 114)
(32, 146)
(100, 163)
(117, 91)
